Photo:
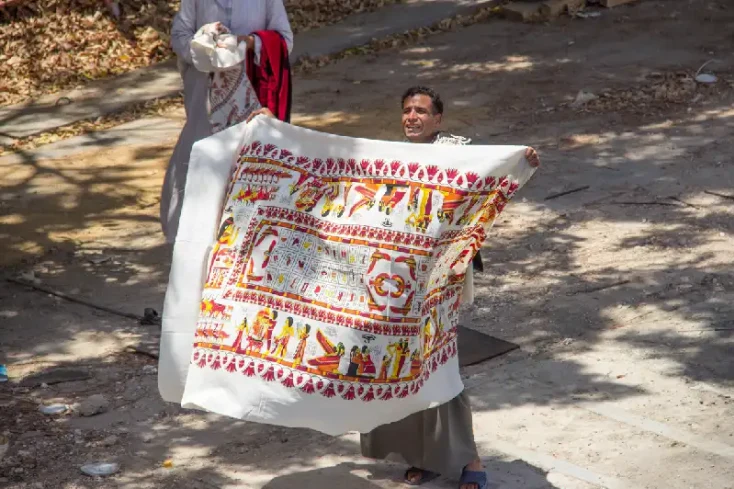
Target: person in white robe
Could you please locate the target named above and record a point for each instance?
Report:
(242, 18)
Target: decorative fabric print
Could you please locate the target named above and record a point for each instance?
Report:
(231, 97)
(330, 284)
(444, 138)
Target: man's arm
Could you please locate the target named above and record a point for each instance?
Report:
(277, 20)
(183, 30)
(251, 42)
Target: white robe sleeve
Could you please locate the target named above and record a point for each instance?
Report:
(467, 292)
(183, 30)
(277, 20)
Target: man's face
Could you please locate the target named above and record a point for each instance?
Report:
(420, 123)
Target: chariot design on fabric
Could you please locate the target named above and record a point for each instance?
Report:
(331, 293)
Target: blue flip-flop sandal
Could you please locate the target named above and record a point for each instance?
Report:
(426, 476)
(476, 477)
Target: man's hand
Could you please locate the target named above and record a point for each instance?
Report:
(220, 29)
(249, 41)
(264, 111)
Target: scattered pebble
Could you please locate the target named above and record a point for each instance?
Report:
(100, 469)
(52, 409)
(98, 259)
(150, 369)
(110, 440)
(583, 98)
(151, 317)
(95, 404)
(587, 15)
(29, 276)
(706, 78)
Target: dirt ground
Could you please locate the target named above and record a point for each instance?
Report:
(621, 293)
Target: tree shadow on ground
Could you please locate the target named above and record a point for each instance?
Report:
(642, 231)
(205, 450)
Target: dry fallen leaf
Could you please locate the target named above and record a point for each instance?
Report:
(658, 90)
(54, 45)
(123, 58)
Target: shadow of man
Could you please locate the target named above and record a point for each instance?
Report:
(514, 474)
(347, 474)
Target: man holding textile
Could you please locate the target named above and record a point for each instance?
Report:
(438, 440)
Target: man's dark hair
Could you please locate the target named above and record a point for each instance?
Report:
(419, 90)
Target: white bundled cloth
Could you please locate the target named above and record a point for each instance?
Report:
(325, 292)
(213, 49)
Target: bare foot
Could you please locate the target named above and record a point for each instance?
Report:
(415, 476)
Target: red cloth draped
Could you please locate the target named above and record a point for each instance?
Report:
(271, 79)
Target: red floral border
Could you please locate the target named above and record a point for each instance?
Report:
(340, 167)
(363, 390)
